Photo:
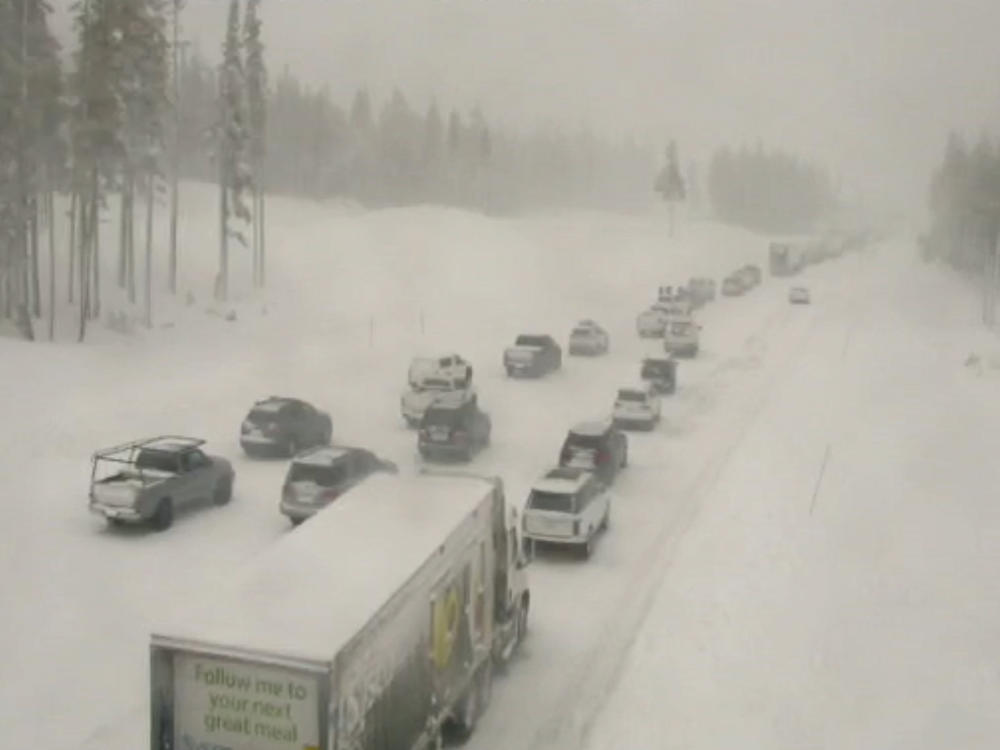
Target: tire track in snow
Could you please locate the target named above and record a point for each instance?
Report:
(590, 685)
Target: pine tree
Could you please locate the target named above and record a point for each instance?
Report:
(176, 6)
(30, 90)
(256, 88)
(232, 145)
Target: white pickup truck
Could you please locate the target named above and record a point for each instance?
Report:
(420, 395)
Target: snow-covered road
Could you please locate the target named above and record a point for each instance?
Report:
(340, 328)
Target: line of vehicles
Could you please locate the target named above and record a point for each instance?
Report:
(331, 640)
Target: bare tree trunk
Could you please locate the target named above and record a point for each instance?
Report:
(83, 234)
(51, 205)
(130, 254)
(123, 234)
(255, 235)
(174, 199)
(95, 252)
(150, 197)
(222, 283)
(36, 287)
(73, 202)
(263, 239)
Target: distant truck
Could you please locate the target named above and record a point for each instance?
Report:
(785, 258)
(414, 402)
(375, 625)
(532, 354)
(146, 481)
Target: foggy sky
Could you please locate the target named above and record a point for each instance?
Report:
(868, 87)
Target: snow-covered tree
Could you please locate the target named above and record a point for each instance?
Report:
(176, 6)
(232, 144)
(30, 112)
(256, 91)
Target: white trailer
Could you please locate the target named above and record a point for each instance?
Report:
(370, 627)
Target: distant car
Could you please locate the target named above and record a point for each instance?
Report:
(751, 275)
(567, 506)
(681, 338)
(597, 446)
(282, 425)
(667, 292)
(661, 373)
(799, 295)
(532, 354)
(448, 366)
(147, 481)
(637, 406)
(702, 289)
(587, 337)
(317, 477)
(650, 323)
(414, 401)
(453, 428)
(676, 308)
(733, 286)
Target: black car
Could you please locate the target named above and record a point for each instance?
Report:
(318, 477)
(534, 355)
(282, 426)
(661, 372)
(453, 427)
(596, 446)
(734, 285)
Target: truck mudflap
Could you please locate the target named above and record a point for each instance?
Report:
(505, 641)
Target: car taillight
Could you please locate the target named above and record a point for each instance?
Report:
(287, 493)
(602, 456)
(245, 427)
(457, 435)
(330, 494)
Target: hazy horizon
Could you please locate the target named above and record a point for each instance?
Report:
(867, 89)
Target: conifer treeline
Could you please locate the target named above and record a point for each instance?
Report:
(392, 153)
(128, 114)
(769, 191)
(964, 202)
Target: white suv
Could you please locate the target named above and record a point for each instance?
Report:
(568, 506)
(637, 406)
(681, 337)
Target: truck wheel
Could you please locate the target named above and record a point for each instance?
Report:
(467, 713)
(164, 515)
(485, 687)
(223, 491)
(522, 619)
(587, 548)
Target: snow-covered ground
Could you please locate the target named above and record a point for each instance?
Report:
(739, 607)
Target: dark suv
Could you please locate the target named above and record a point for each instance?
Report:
(283, 426)
(318, 477)
(453, 427)
(596, 446)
